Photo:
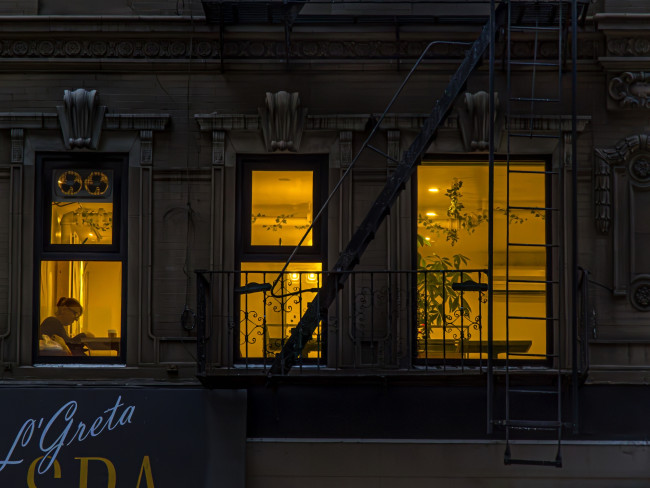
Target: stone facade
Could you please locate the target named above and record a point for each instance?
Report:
(185, 99)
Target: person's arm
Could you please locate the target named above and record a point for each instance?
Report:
(52, 326)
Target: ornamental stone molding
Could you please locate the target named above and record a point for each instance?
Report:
(631, 90)
(177, 48)
(283, 120)
(20, 123)
(474, 120)
(629, 46)
(81, 118)
(621, 202)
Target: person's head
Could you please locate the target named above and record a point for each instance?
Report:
(68, 310)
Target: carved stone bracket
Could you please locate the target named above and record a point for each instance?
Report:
(283, 121)
(621, 200)
(345, 148)
(394, 148)
(474, 120)
(81, 118)
(631, 90)
(17, 145)
(146, 124)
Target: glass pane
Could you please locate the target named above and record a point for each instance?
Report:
(82, 207)
(266, 320)
(281, 207)
(80, 308)
(453, 235)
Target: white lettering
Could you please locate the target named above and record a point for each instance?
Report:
(24, 436)
(60, 428)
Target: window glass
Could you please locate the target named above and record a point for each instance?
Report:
(80, 308)
(266, 318)
(82, 207)
(282, 206)
(452, 228)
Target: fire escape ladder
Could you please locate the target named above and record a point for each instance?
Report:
(544, 21)
(334, 281)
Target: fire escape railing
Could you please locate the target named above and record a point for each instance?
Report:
(382, 319)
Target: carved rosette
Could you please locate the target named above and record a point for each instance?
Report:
(640, 296)
(631, 90)
(640, 168)
(283, 121)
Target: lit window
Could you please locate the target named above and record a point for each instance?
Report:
(82, 207)
(80, 250)
(278, 198)
(80, 308)
(266, 319)
(281, 207)
(452, 236)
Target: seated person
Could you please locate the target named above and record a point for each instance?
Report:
(67, 311)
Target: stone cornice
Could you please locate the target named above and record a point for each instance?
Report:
(43, 120)
(359, 122)
(232, 122)
(622, 22)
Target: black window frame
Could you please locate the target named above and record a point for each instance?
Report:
(45, 164)
(247, 253)
(550, 275)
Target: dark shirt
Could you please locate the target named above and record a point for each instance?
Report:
(53, 326)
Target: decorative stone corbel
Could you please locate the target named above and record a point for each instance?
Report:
(631, 90)
(17, 146)
(345, 148)
(474, 120)
(283, 121)
(81, 118)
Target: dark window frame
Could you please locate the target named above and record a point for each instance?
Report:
(550, 296)
(45, 164)
(247, 253)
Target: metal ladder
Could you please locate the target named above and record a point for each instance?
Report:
(543, 20)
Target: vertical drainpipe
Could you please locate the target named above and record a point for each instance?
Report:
(574, 215)
(490, 378)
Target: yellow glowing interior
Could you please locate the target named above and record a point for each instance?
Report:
(281, 207)
(266, 318)
(97, 285)
(438, 229)
(82, 223)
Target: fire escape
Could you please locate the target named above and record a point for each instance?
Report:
(556, 19)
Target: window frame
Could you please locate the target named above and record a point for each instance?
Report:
(246, 165)
(247, 253)
(45, 164)
(551, 293)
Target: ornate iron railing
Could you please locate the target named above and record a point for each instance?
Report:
(381, 319)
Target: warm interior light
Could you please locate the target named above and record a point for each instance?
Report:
(427, 238)
(431, 214)
(311, 277)
(281, 207)
(434, 190)
(295, 276)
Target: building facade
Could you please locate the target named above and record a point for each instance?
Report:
(330, 243)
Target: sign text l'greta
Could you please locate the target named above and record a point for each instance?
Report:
(51, 435)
